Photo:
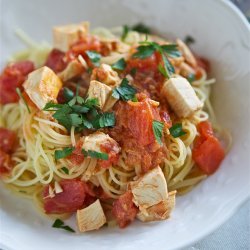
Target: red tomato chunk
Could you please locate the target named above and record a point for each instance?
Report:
(208, 153)
(55, 60)
(13, 77)
(7, 140)
(124, 209)
(6, 164)
(71, 199)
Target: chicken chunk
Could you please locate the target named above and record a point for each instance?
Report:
(100, 91)
(106, 74)
(181, 96)
(186, 52)
(160, 211)
(94, 141)
(150, 189)
(66, 35)
(73, 69)
(42, 86)
(91, 217)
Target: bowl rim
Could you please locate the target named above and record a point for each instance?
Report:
(243, 196)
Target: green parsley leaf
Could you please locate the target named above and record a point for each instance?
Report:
(50, 105)
(21, 97)
(72, 101)
(119, 65)
(59, 154)
(191, 78)
(133, 71)
(75, 119)
(80, 109)
(91, 103)
(158, 131)
(125, 91)
(124, 32)
(65, 170)
(104, 120)
(141, 28)
(60, 224)
(95, 154)
(68, 94)
(167, 69)
(144, 51)
(176, 130)
(171, 50)
(62, 116)
(189, 40)
(94, 57)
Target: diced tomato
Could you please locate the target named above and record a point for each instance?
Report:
(7, 140)
(148, 63)
(112, 149)
(56, 61)
(203, 63)
(77, 156)
(166, 118)
(124, 210)
(91, 43)
(13, 77)
(205, 129)
(71, 199)
(5, 163)
(138, 117)
(22, 67)
(208, 152)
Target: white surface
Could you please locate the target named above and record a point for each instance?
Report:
(222, 36)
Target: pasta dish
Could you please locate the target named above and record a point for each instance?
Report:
(110, 124)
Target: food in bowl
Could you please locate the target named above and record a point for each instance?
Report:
(107, 124)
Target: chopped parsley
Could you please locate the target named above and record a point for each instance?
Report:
(119, 65)
(125, 91)
(133, 71)
(59, 154)
(176, 130)
(140, 27)
(191, 78)
(146, 49)
(189, 40)
(21, 97)
(94, 57)
(60, 224)
(158, 131)
(95, 154)
(80, 113)
(65, 170)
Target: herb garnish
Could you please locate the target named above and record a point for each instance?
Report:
(146, 49)
(59, 154)
(176, 130)
(94, 57)
(60, 224)
(65, 170)
(133, 71)
(191, 78)
(119, 65)
(95, 154)
(140, 27)
(21, 97)
(80, 113)
(125, 91)
(158, 130)
(189, 40)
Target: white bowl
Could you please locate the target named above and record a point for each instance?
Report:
(222, 36)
